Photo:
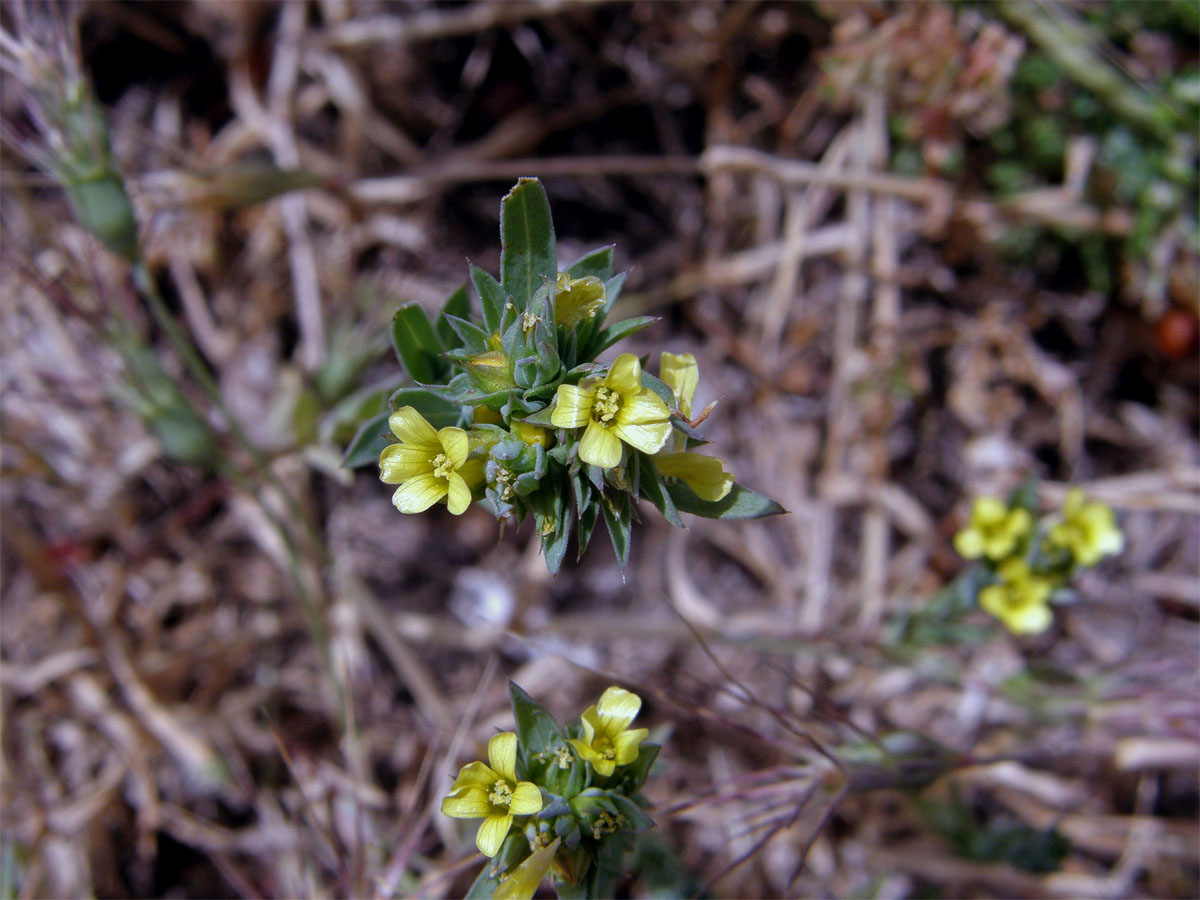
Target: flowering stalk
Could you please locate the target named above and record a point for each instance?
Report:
(554, 800)
(558, 436)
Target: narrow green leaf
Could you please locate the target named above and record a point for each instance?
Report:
(368, 442)
(619, 519)
(638, 820)
(468, 335)
(659, 387)
(416, 344)
(458, 304)
(537, 730)
(527, 250)
(597, 264)
(616, 332)
(438, 412)
(740, 503)
(652, 489)
(585, 527)
(491, 298)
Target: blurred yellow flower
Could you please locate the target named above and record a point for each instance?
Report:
(681, 374)
(1088, 531)
(428, 465)
(616, 409)
(994, 531)
(492, 793)
(705, 475)
(607, 740)
(1020, 600)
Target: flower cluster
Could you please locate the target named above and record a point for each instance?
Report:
(554, 799)
(1029, 563)
(513, 410)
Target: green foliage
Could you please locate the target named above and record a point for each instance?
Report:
(502, 377)
(1036, 850)
(587, 821)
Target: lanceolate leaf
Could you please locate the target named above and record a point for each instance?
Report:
(619, 518)
(458, 305)
(438, 412)
(740, 503)
(527, 251)
(597, 264)
(368, 442)
(416, 343)
(491, 298)
(537, 730)
(653, 490)
(617, 332)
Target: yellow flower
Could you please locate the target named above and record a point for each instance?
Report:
(1088, 531)
(492, 793)
(705, 475)
(682, 375)
(531, 434)
(576, 299)
(607, 741)
(522, 882)
(994, 531)
(428, 465)
(616, 409)
(1020, 599)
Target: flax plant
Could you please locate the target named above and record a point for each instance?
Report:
(555, 801)
(560, 436)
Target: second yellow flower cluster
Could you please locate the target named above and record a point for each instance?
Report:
(1030, 562)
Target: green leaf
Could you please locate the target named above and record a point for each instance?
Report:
(368, 442)
(597, 264)
(438, 412)
(652, 489)
(491, 298)
(634, 775)
(659, 387)
(554, 545)
(416, 344)
(638, 820)
(619, 519)
(527, 251)
(468, 335)
(514, 849)
(740, 503)
(617, 332)
(537, 730)
(458, 305)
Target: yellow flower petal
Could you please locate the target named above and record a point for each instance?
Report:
(419, 493)
(456, 445)
(410, 426)
(398, 462)
(522, 882)
(681, 375)
(618, 705)
(573, 406)
(458, 495)
(705, 475)
(491, 834)
(600, 447)
(986, 510)
(626, 745)
(502, 754)
(648, 438)
(625, 375)
(969, 543)
(590, 720)
(469, 803)
(475, 773)
(526, 799)
(643, 408)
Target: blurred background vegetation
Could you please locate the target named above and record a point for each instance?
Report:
(922, 250)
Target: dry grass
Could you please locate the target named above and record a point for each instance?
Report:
(173, 727)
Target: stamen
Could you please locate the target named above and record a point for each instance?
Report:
(442, 467)
(606, 405)
(501, 794)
